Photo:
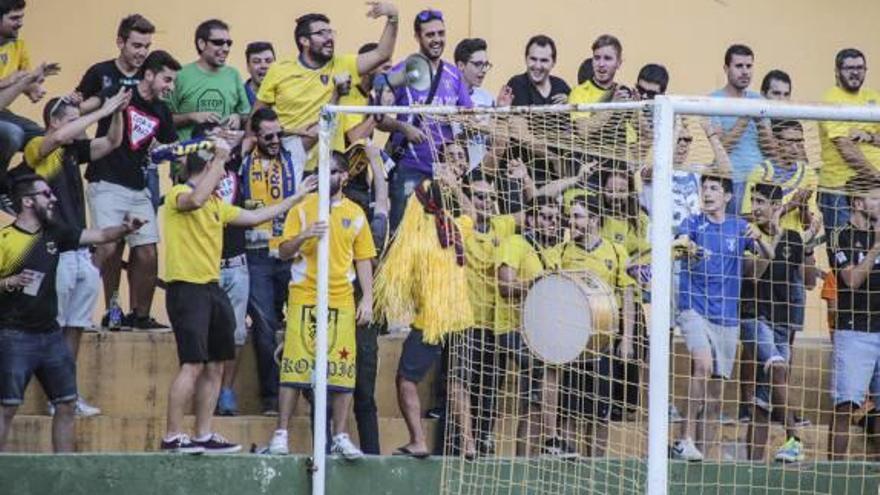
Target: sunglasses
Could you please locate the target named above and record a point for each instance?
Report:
(219, 42)
(46, 193)
(481, 65)
(646, 94)
(428, 15)
(272, 136)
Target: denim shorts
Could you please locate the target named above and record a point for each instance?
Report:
(46, 355)
(770, 344)
(856, 358)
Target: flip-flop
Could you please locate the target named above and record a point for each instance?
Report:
(405, 451)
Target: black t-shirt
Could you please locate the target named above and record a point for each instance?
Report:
(33, 308)
(857, 308)
(230, 191)
(774, 298)
(61, 170)
(105, 79)
(145, 121)
(525, 93)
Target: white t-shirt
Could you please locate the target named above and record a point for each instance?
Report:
(685, 196)
(477, 143)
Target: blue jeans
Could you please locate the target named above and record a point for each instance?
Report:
(46, 355)
(403, 183)
(770, 344)
(268, 293)
(151, 174)
(835, 211)
(15, 132)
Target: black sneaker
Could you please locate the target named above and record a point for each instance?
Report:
(146, 323)
(181, 444)
(216, 444)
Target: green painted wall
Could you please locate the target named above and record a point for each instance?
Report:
(267, 475)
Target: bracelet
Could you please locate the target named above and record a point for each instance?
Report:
(710, 136)
(393, 19)
(7, 286)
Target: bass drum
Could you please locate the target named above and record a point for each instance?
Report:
(563, 311)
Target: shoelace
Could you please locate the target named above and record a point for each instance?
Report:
(218, 438)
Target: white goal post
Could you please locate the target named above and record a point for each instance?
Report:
(665, 110)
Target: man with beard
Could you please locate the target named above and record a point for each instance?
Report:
(519, 260)
(117, 185)
(590, 384)
(208, 90)
(57, 158)
(297, 88)
(102, 80)
(259, 55)
(414, 146)
(31, 342)
(351, 253)
(15, 130)
(740, 135)
(772, 310)
(269, 175)
(856, 342)
(849, 149)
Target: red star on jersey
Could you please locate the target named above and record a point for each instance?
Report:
(343, 354)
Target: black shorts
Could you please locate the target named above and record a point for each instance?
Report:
(203, 321)
(417, 357)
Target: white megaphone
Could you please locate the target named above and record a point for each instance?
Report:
(416, 74)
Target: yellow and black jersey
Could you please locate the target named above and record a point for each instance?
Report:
(61, 170)
(35, 307)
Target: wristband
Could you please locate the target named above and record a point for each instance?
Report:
(393, 19)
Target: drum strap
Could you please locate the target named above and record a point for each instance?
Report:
(539, 250)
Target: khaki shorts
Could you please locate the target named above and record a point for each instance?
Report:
(108, 204)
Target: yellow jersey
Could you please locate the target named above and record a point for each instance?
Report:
(297, 94)
(835, 172)
(13, 58)
(480, 255)
(350, 240)
(354, 98)
(620, 231)
(529, 263)
(194, 239)
(790, 181)
(607, 261)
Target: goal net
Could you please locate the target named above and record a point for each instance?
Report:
(546, 312)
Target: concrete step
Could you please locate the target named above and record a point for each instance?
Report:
(113, 434)
(32, 434)
(128, 375)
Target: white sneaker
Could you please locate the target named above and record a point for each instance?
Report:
(342, 445)
(685, 450)
(83, 409)
(278, 443)
(86, 410)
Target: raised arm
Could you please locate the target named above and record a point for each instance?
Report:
(366, 62)
(193, 200)
(111, 234)
(76, 128)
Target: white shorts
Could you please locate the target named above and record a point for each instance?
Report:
(108, 204)
(701, 334)
(77, 282)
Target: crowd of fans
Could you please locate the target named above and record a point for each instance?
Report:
(240, 230)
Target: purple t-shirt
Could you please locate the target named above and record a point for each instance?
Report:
(451, 91)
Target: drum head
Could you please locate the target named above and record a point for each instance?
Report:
(557, 319)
